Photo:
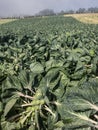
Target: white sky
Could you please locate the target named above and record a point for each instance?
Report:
(19, 7)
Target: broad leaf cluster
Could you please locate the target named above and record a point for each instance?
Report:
(48, 74)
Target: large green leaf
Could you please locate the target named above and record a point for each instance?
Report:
(37, 67)
(10, 105)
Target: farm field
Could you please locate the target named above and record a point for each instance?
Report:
(48, 74)
(86, 18)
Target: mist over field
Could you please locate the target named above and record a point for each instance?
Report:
(31, 7)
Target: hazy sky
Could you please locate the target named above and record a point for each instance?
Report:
(17, 7)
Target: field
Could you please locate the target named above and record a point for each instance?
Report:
(3, 21)
(48, 74)
(86, 18)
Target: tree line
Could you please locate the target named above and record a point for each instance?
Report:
(50, 12)
(47, 12)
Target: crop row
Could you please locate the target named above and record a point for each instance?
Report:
(48, 74)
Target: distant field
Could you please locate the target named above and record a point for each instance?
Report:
(86, 18)
(2, 21)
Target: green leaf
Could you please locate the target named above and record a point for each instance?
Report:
(31, 127)
(10, 126)
(36, 67)
(1, 107)
(64, 79)
(9, 105)
(59, 124)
